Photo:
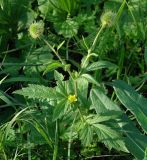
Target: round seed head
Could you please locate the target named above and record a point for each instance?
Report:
(107, 18)
(36, 29)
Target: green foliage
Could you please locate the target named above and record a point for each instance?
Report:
(145, 54)
(37, 92)
(68, 29)
(101, 103)
(63, 89)
(14, 17)
(134, 102)
(134, 140)
(96, 124)
(58, 60)
(100, 65)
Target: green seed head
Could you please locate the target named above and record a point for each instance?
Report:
(36, 29)
(107, 18)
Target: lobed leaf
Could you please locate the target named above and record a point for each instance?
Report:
(134, 140)
(40, 92)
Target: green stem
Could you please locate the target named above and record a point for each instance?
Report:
(55, 52)
(58, 56)
(131, 13)
(5, 157)
(69, 148)
(28, 54)
(121, 61)
(16, 154)
(96, 38)
(70, 138)
(91, 48)
(67, 51)
(29, 149)
(86, 59)
(56, 143)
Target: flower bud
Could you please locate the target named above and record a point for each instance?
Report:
(36, 29)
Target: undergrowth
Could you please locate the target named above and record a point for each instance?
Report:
(73, 79)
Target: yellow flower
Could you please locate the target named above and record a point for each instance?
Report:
(72, 98)
(36, 29)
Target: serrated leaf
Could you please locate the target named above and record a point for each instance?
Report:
(110, 137)
(86, 134)
(82, 92)
(58, 76)
(67, 6)
(133, 137)
(44, 7)
(109, 115)
(101, 102)
(68, 28)
(39, 57)
(40, 92)
(60, 109)
(107, 135)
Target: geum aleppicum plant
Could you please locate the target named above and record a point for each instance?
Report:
(84, 116)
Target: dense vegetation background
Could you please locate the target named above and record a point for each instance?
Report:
(73, 79)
